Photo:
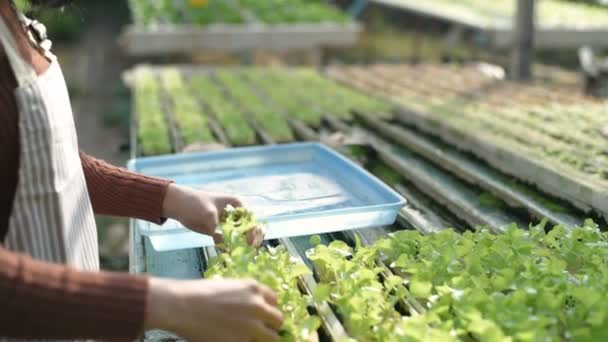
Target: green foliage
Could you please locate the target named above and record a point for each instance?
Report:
(66, 25)
(306, 95)
(270, 266)
(228, 114)
(234, 96)
(190, 119)
(520, 285)
(146, 12)
(293, 11)
(268, 118)
(349, 279)
(315, 240)
(212, 11)
(282, 90)
(152, 130)
(22, 5)
(60, 25)
(205, 12)
(333, 98)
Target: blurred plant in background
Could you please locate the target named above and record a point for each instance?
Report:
(63, 24)
(205, 12)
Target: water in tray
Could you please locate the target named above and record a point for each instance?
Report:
(280, 194)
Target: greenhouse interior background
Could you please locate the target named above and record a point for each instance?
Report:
(484, 116)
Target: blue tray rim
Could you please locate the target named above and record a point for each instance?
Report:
(399, 202)
(177, 157)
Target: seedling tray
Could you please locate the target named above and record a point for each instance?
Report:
(294, 189)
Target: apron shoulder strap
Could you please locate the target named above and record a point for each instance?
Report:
(24, 72)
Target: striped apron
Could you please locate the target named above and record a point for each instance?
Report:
(52, 217)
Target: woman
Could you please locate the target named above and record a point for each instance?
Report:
(50, 287)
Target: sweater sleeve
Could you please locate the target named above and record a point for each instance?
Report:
(43, 300)
(118, 192)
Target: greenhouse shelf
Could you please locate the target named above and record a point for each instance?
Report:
(235, 26)
(544, 134)
(561, 24)
(268, 110)
(163, 39)
(433, 188)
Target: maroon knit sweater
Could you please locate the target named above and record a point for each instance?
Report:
(44, 300)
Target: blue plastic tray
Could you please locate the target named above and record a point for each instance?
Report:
(295, 189)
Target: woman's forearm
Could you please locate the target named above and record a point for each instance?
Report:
(41, 300)
(117, 191)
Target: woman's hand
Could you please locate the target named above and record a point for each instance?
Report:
(213, 310)
(200, 211)
(197, 210)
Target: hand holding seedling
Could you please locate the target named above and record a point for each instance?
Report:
(200, 211)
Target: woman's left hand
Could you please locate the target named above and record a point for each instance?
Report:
(201, 211)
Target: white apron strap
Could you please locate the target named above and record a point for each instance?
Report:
(24, 72)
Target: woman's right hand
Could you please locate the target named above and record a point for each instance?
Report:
(213, 310)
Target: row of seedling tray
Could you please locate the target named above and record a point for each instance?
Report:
(177, 107)
(413, 287)
(432, 283)
(545, 133)
(527, 285)
(447, 286)
(180, 27)
(238, 107)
